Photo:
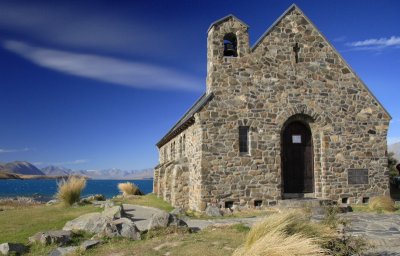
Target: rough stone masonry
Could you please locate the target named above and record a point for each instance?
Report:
(285, 118)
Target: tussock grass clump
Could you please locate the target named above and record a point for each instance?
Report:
(276, 243)
(129, 188)
(69, 190)
(289, 233)
(382, 204)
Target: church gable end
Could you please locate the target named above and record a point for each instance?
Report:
(288, 117)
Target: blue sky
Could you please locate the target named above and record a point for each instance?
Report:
(95, 84)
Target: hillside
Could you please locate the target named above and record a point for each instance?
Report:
(107, 174)
(20, 167)
(395, 148)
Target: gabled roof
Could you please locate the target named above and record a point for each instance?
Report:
(186, 120)
(224, 19)
(294, 6)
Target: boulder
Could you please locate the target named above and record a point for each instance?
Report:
(127, 228)
(164, 219)
(178, 211)
(103, 204)
(60, 237)
(110, 223)
(12, 249)
(89, 244)
(62, 251)
(213, 211)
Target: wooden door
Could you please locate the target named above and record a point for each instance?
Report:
(297, 159)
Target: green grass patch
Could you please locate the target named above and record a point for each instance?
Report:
(150, 200)
(20, 223)
(213, 241)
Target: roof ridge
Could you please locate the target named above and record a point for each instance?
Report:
(225, 18)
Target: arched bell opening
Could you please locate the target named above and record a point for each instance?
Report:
(230, 45)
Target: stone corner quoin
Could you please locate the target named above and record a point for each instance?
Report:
(312, 128)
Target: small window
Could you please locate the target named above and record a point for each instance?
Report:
(257, 203)
(244, 139)
(230, 45)
(180, 147)
(229, 204)
(365, 200)
(345, 200)
(165, 154)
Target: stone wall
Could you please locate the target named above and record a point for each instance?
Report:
(264, 88)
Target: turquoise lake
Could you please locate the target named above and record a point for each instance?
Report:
(48, 188)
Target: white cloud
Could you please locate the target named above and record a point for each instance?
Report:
(82, 26)
(3, 150)
(106, 69)
(376, 43)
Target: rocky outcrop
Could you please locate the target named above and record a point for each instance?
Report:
(60, 237)
(213, 211)
(165, 219)
(112, 222)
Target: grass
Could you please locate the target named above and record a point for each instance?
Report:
(69, 190)
(377, 207)
(150, 200)
(129, 188)
(211, 242)
(20, 223)
(382, 204)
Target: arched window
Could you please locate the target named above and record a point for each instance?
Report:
(230, 45)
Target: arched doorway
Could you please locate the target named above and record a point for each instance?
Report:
(297, 158)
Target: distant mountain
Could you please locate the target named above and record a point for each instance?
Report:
(395, 148)
(56, 171)
(20, 167)
(108, 174)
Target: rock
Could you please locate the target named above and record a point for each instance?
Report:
(60, 237)
(103, 204)
(12, 248)
(127, 228)
(213, 211)
(178, 211)
(90, 222)
(165, 219)
(53, 201)
(89, 244)
(62, 251)
(114, 212)
(110, 223)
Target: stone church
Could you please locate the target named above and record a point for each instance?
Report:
(284, 118)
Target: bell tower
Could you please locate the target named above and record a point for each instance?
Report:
(227, 41)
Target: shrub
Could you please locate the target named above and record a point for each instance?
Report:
(382, 204)
(69, 190)
(129, 188)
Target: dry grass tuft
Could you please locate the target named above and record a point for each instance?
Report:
(382, 204)
(69, 190)
(129, 188)
(289, 233)
(276, 243)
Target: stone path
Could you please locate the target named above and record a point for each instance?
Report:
(381, 230)
(142, 216)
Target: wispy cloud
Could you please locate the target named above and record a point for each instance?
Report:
(106, 69)
(74, 162)
(3, 150)
(376, 43)
(82, 26)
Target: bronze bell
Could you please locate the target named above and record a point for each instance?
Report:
(229, 49)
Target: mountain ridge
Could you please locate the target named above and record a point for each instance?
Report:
(395, 148)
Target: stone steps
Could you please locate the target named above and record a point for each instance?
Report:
(303, 203)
